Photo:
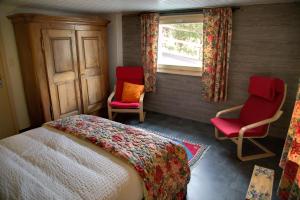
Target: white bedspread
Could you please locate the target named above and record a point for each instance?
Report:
(43, 164)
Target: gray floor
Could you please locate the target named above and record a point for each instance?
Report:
(219, 175)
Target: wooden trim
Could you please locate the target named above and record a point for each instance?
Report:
(38, 62)
(142, 114)
(30, 17)
(129, 110)
(217, 136)
(109, 108)
(239, 141)
(260, 123)
(236, 108)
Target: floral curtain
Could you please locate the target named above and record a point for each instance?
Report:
(149, 40)
(217, 32)
(289, 187)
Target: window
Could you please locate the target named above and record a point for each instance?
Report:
(180, 44)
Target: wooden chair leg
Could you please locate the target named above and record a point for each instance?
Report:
(217, 136)
(267, 153)
(240, 148)
(142, 116)
(109, 113)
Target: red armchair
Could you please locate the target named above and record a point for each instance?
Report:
(266, 97)
(115, 105)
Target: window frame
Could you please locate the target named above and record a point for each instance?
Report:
(175, 69)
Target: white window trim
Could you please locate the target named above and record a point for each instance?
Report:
(174, 69)
(173, 19)
(180, 70)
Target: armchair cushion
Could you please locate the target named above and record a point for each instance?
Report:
(264, 87)
(266, 97)
(231, 127)
(258, 108)
(131, 92)
(122, 105)
(133, 75)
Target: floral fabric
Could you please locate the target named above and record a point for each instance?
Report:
(161, 164)
(261, 184)
(289, 187)
(149, 43)
(217, 32)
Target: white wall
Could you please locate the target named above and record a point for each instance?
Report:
(11, 55)
(115, 45)
(8, 125)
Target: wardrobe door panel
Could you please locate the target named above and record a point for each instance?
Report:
(94, 94)
(91, 51)
(62, 72)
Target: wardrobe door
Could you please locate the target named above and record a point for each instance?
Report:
(92, 66)
(62, 72)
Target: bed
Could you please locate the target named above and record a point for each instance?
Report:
(52, 162)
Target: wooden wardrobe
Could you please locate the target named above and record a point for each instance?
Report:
(64, 64)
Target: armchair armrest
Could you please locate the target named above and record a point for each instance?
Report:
(141, 101)
(111, 96)
(260, 123)
(229, 110)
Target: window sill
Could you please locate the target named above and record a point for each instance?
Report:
(187, 71)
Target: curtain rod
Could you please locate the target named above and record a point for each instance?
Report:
(183, 11)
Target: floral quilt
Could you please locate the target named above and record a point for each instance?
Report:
(161, 164)
(289, 187)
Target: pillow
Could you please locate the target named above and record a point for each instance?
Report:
(131, 92)
(264, 87)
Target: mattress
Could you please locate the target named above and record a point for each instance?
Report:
(48, 164)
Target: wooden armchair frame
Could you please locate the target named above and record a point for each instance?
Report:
(139, 110)
(239, 139)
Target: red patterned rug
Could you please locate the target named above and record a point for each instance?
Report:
(194, 151)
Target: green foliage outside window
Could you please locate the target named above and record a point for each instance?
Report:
(184, 39)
